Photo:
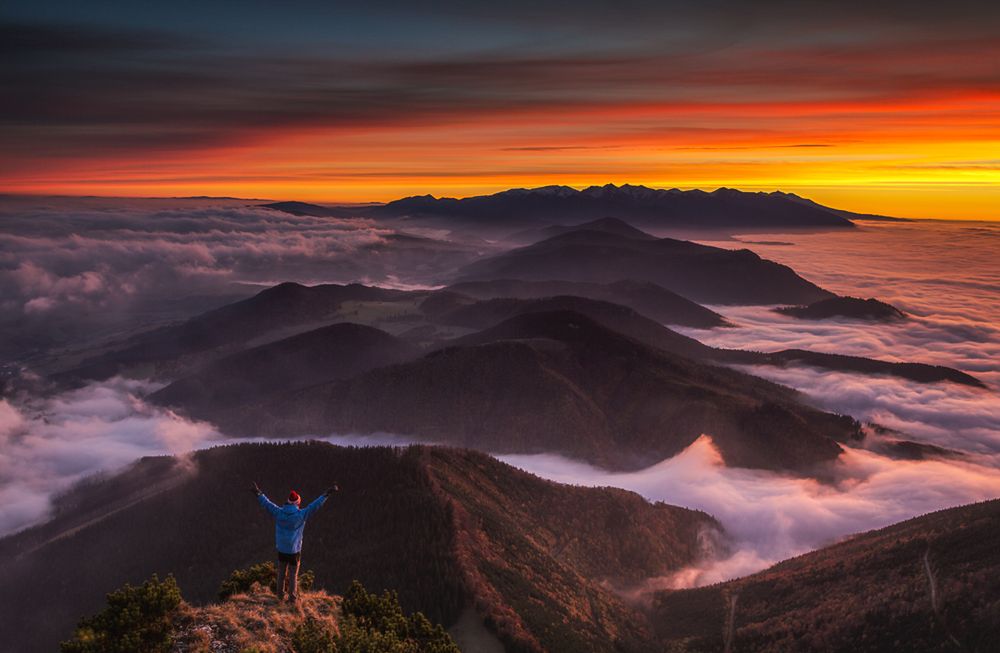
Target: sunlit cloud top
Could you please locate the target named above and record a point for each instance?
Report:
(884, 107)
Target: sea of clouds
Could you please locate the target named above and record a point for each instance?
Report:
(48, 443)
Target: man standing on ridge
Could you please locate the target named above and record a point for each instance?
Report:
(289, 522)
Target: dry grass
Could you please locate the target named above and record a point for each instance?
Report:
(250, 622)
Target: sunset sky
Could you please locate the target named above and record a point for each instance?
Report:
(881, 107)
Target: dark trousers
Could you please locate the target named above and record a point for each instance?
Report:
(288, 574)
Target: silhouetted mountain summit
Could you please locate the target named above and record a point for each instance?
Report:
(286, 308)
(607, 225)
(699, 272)
(303, 208)
(615, 317)
(722, 208)
(326, 354)
(647, 298)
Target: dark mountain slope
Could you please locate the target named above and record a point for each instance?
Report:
(723, 208)
(927, 584)
(448, 529)
(326, 354)
(849, 307)
(699, 272)
(607, 225)
(615, 317)
(651, 300)
(229, 328)
(560, 382)
(628, 322)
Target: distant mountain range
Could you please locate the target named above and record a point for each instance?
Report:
(724, 208)
(536, 208)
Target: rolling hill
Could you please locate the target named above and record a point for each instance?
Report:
(698, 272)
(607, 225)
(330, 353)
(276, 312)
(560, 382)
(845, 307)
(452, 531)
(615, 317)
(646, 298)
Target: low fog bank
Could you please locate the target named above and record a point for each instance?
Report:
(48, 444)
(71, 269)
(971, 344)
(944, 275)
(772, 517)
(945, 414)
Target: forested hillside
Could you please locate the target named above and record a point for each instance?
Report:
(450, 530)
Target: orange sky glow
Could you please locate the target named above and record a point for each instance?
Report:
(928, 158)
(888, 112)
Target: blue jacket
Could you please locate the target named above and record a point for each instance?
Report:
(289, 522)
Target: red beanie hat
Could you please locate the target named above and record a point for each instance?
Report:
(294, 497)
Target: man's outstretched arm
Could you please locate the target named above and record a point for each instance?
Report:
(265, 502)
(320, 500)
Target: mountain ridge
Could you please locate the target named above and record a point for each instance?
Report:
(721, 208)
(571, 385)
(701, 273)
(449, 529)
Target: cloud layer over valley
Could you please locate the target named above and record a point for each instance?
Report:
(772, 517)
(99, 259)
(66, 264)
(48, 444)
(945, 276)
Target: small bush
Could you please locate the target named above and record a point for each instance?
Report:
(137, 620)
(241, 581)
(311, 636)
(373, 622)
